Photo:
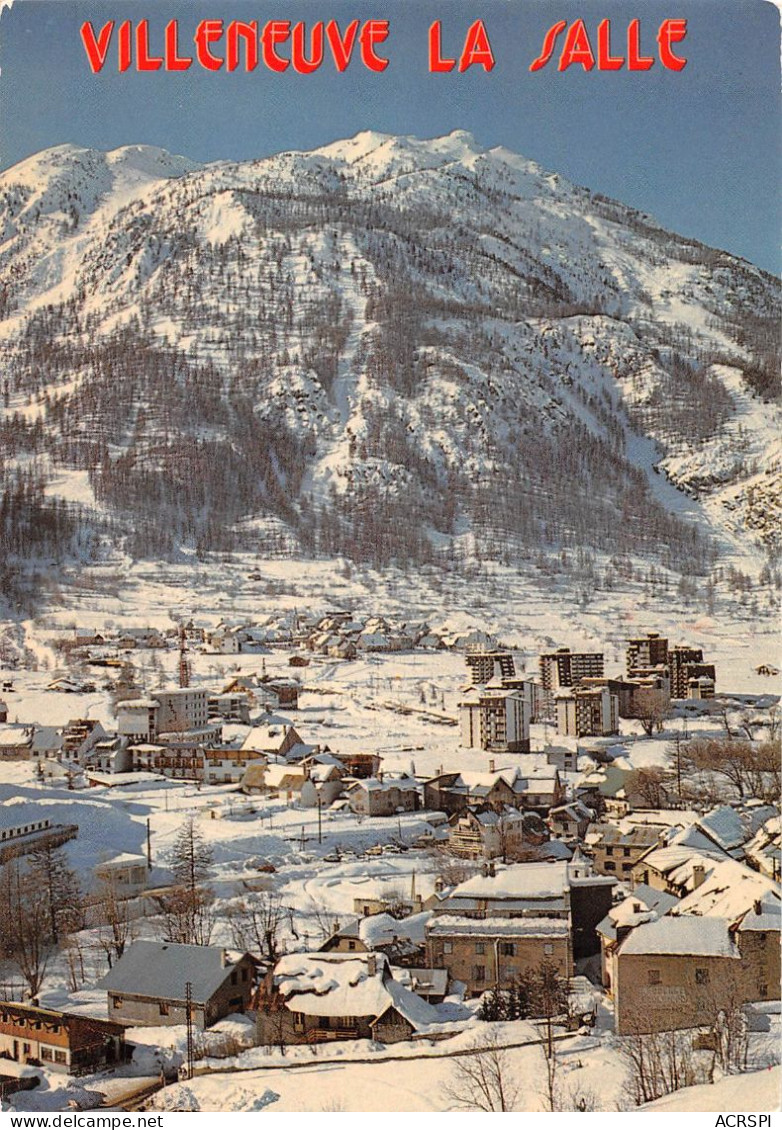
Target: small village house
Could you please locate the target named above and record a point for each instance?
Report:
(148, 985)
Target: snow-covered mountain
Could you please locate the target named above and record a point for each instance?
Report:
(385, 347)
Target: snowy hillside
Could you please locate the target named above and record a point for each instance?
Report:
(387, 348)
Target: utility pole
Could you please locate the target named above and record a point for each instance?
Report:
(149, 846)
(190, 1042)
(320, 820)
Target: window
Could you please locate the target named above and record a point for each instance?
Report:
(548, 949)
(609, 851)
(234, 977)
(625, 851)
(701, 976)
(351, 944)
(47, 1053)
(447, 947)
(479, 972)
(480, 947)
(60, 1057)
(654, 977)
(508, 949)
(609, 865)
(163, 1008)
(117, 1002)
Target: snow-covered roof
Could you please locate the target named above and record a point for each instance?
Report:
(521, 880)
(691, 936)
(162, 969)
(284, 776)
(450, 924)
(766, 914)
(678, 861)
(15, 736)
(266, 737)
(123, 859)
(373, 784)
(329, 984)
(728, 891)
(382, 929)
(724, 825)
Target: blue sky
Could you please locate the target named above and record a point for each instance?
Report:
(699, 149)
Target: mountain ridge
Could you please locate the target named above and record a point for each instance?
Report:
(378, 327)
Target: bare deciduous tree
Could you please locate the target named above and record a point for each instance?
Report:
(116, 924)
(255, 923)
(26, 926)
(484, 1079)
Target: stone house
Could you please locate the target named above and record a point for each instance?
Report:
(148, 985)
(679, 971)
(376, 797)
(615, 851)
(492, 927)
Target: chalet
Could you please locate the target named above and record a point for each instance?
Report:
(402, 940)
(61, 1041)
(314, 997)
(225, 764)
(537, 788)
(361, 766)
(283, 780)
(80, 736)
(487, 834)
(451, 792)
(384, 797)
(273, 739)
(285, 690)
(148, 985)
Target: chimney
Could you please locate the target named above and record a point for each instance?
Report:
(491, 764)
(225, 961)
(698, 875)
(492, 872)
(371, 965)
(758, 907)
(335, 926)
